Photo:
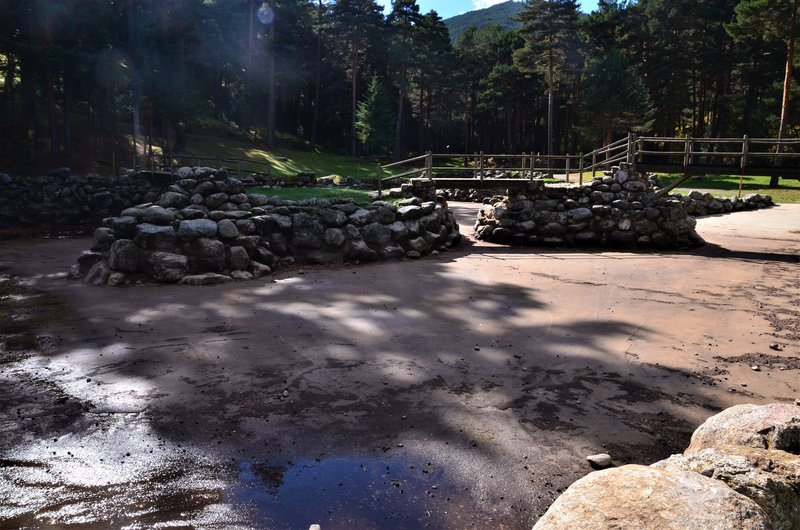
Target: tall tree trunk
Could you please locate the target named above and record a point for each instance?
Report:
(317, 77)
(52, 117)
(273, 97)
(421, 133)
(787, 87)
(550, 102)
(67, 111)
(398, 129)
(353, 99)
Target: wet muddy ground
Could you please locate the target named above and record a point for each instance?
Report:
(458, 391)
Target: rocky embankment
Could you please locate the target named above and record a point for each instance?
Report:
(741, 471)
(617, 209)
(204, 229)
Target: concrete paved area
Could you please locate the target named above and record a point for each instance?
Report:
(458, 391)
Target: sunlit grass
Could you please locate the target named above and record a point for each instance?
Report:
(787, 192)
(284, 162)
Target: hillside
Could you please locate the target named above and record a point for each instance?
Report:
(496, 14)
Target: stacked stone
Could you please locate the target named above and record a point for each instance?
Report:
(741, 471)
(204, 229)
(700, 204)
(616, 209)
(470, 195)
(60, 198)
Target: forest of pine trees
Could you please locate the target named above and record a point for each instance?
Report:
(314, 71)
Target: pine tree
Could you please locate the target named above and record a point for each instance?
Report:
(549, 28)
(374, 120)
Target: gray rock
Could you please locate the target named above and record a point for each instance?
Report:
(376, 234)
(86, 260)
(207, 255)
(599, 460)
(334, 237)
(773, 426)
(334, 218)
(359, 251)
(392, 252)
(167, 267)
(124, 227)
(124, 256)
(173, 199)
(215, 200)
(103, 238)
(184, 172)
(645, 497)
(192, 213)
(267, 224)
(769, 477)
(580, 214)
(117, 279)
(241, 276)
(155, 237)
(205, 279)
(308, 231)
(360, 217)
(195, 228)
(238, 258)
(155, 215)
(259, 269)
(98, 274)
(226, 229)
(245, 226)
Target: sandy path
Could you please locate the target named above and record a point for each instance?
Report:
(344, 396)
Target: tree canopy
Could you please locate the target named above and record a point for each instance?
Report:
(550, 79)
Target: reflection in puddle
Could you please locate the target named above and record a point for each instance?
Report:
(347, 493)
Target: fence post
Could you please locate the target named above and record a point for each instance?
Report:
(567, 167)
(429, 164)
(743, 163)
(629, 156)
(239, 168)
(580, 169)
(594, 163)
(378, 174)
(686, 153)
(523, 165)
(480, 167)
(745, 150)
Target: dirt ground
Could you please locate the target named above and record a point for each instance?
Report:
(458, 391)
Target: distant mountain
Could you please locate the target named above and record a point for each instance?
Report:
(496, 14)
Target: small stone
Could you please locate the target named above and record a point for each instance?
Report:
(285, 393)
(241, 276)
(776, 347)
(601, 460)
(755, 368)
(116, 280)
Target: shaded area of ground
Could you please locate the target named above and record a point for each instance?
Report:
(452, 392)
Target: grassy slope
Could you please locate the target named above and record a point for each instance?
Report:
(285, 162)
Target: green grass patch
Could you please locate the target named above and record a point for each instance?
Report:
(361, 197)
(787, 192)
(284, 162)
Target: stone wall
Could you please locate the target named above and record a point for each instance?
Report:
(63, 199)
(617, 209)
(204, 229)
(741, 470)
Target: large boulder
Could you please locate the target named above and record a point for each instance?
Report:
(167, 267)
(197, 228)
(207, 255)
(640, 497)
(124, 257)
(308, 231)
(155, 237)
(773, 426)
(155, 215)
(769, 477)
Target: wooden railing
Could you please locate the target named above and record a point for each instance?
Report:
(238, 166)
(689, 156)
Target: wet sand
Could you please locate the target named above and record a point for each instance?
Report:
(457, 391)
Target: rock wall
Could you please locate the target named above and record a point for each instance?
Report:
(63, 199)
(742, 470)
(617, 209)
(204, 229)
(699, 204)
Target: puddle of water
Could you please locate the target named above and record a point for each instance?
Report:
(348, 492)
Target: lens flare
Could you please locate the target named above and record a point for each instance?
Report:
(265, 14)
